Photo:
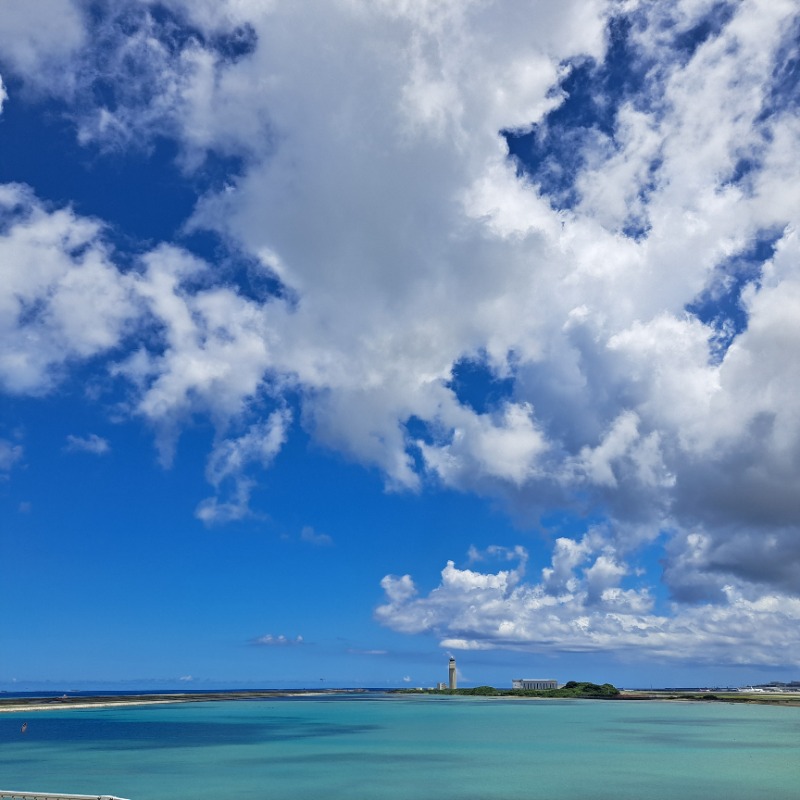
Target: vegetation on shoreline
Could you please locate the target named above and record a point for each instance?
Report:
(571, 689)
(792, 699)
(606, 691)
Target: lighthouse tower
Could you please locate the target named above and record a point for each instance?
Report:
(451, 673)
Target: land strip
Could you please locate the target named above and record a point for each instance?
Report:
(15, 704)
(26, 704)
(762, 698)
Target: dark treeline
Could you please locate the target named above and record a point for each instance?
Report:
(569, 689)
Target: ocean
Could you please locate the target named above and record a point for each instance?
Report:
(390, 747)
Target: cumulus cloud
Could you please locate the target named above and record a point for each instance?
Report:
(268, 640)
(65, 300)
(88, 444)
(376, 192)
(38, 39)
(308, 534)
(10, 454)
(62, 299)
(580, 605)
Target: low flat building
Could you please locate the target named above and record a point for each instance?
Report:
(534, 683)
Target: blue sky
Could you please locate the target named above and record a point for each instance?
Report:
(431, 329)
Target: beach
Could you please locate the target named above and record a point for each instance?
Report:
(17, 704)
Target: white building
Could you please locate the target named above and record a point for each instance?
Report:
(534, 683)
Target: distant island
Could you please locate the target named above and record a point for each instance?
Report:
(569, 689)
(572, 689)
(607, 691)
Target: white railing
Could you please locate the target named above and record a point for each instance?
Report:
(50, 796)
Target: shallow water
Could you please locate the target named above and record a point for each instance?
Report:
(447, 748)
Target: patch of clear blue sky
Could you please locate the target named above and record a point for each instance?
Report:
(721, 306)
(476, 385)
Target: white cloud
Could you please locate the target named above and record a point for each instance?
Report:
(230, 460)
(507, 447)
(214, 511)
(308, 534)
(591, 612)
(259, 445)
(10, 454)
(269, 640)
(376, 187)
(215, 348)
(398, 589)
(61, 298)
(622, 442)
(88, 444)
(38, 38)
(3, 94)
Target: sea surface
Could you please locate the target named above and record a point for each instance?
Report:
(382, 747)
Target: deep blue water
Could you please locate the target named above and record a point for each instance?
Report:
(138, 692)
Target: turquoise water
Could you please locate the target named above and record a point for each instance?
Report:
(408, 747)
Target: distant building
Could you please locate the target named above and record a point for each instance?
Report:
(441, 686)
(534, 683)
(451, 672)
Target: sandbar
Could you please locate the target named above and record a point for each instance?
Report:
(19, 704)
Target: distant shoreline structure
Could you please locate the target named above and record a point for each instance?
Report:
(83, 701)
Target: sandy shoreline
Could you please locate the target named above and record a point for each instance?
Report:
(11, 705)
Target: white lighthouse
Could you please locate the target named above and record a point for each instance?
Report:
(451, 673)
